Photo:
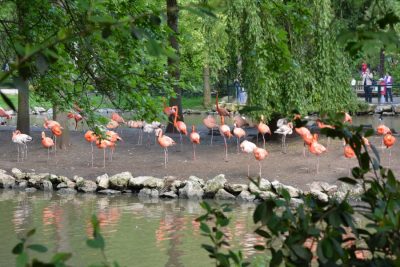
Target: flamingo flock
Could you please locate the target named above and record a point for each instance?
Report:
(107, 138)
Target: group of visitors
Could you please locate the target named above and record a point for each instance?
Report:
(384, 85)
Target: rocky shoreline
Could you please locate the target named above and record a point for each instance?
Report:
(169, 187)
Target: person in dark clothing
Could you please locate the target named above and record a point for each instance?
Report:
(388, 82)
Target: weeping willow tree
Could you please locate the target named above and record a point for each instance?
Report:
(289, 57)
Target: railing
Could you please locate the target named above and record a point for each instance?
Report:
(359, 89)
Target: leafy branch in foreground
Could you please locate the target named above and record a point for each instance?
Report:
(59, 259)
(218, 218)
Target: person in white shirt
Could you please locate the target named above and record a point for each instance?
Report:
(389, 82)
(367, 82)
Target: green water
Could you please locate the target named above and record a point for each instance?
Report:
(137, 232)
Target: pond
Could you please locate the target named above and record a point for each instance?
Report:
(148, 233)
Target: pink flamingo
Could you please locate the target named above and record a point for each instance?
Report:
(263, 129)
(226, 133)
(165, 142)
(91, 138)
(210, 123)
(179, 125)
(239, 133)
(316, 149)
(195, 139)
(260, 154)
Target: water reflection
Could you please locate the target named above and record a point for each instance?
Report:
(151, 232)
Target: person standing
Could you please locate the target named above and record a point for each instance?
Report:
(383, 92)
(367, 76)
(389, 82)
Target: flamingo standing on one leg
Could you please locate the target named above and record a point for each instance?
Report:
(21, 140)
(389, 141)
(113, 137)
(284, 128)
(263, 129)
(48, 143)
(165, 142)
(316, 149)
(260, 154)
(179, 125)
(239, 133)
(247, 147)
(195, 139)
(226, 133)
(210, 123)
(91, 138)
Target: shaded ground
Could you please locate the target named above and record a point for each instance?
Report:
(291, 168)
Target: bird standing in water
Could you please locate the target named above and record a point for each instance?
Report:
(179, 125)
(210, 123)
(225, 131)
(316, 149)
(48, 143)
(263, 129)
(21, 141)
(165, 142)
(195, 139)
(91, 138)
(239, 133)
(260, 154)
(247, 147)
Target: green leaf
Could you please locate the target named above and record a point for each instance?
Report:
(204, 227)
(209, 248)
(259, 247)
(277, 257)
(22, 260)
(37, 248)
(376, 153)
(348, 180)
(61, 257)
(8, 101)
(301, 252)
(31, 232)
(18, 249)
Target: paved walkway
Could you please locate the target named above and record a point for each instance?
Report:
(396, 100)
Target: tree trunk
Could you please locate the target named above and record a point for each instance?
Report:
(23, 119)
(207, 88)
(173, 63)
(21, 82)
(382, 63)
(63, 142)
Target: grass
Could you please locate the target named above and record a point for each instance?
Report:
(194, 102)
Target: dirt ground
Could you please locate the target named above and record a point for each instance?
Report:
(291, 168)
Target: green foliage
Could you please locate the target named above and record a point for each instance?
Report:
(59, 259)
(218, 218)
(327, 233)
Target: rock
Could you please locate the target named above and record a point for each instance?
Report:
(127, 191)
(109, 192)
(396, 109)
(62, 185)
(236, 189)
(137, 182)
(192, 190)
(30, 190)
(120, 181)
(71, 184)
(38, 110)
(222, 194)
(177, 184)
(103, 181)
(319, 195)
(54, 179)
(6, 181)
(67, 191)
(212, 186)
(87, 186)
(37, 176)
(2, 171)
(293, 192)
(18, 174)
(78, 180)
(169, 194)
(264, 185)
(196, 179)
(22, 185)
(323, 187)
(153, 182)
(386, 108)
(266, 195)
(295, 202)
(245, 196)
(148, 193)
(46, 185)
